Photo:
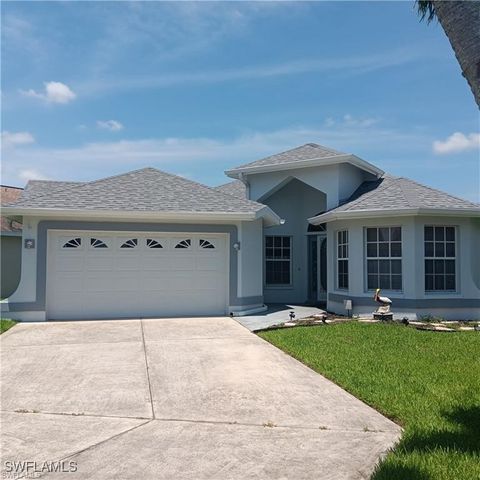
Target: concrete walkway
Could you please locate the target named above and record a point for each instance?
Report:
(276, 313)
(177, 398)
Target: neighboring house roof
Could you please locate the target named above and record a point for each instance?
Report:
(308, 155)
(9, 195)
(147, 190)
(397, 195)
(236, 188)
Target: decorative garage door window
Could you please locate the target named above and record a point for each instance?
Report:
(206, 244)
(131, 243)
(73, 243)
(96, 243)
(151, 243)
(187, 243)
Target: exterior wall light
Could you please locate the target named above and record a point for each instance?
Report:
(282, 221)
(236, 246)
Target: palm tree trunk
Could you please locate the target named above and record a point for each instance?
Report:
(461, 22)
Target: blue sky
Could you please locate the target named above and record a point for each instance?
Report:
(94, 89)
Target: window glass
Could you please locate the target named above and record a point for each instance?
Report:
(384, 258)
(277, 260)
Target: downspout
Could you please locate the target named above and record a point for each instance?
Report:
(243, 178)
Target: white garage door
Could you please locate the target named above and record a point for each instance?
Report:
(132, 275)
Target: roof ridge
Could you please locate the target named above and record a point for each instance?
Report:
(11, 186)
(52, 181)
(81, 184)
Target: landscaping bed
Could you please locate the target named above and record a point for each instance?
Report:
(427, 382)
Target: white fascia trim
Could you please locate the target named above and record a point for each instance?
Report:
(132, 214)
(329, 217)
(270, 218)
(313, 162)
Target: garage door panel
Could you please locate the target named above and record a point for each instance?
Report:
(126, 262)
(69, 282)
(154, 262)
(210, 263)
(66, 263)
(99, 263)
(91, 281)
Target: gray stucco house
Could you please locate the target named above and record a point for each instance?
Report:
(310, 225)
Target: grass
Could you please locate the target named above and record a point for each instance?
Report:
(427, 382)
(5, 324)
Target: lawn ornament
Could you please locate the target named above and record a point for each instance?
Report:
(383, 311)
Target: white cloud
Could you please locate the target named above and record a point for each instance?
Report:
(359, 122)
(349, 120)
(30, 174)
(55, 92)
(203, 158)
(456, 143)
(10, 139)
(112, 125)
(334, 65)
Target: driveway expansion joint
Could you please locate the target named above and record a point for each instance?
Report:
(73, 414)
(97, 444)
(12, 347)
(270, 425)
(147, 369)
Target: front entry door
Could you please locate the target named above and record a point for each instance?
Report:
(317, 268)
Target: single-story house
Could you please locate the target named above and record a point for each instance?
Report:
(10, 244)
(307, 225)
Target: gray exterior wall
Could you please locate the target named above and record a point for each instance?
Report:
(413, 301)
(294, 202)
(11, 263)
(29, 300)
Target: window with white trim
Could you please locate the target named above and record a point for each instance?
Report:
(278, 256)
(384, 258)
(440, 258)
(342, 259)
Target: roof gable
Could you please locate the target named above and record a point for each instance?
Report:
(308, 155)
(308, 151)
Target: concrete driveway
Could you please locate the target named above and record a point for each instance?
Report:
(177, 399)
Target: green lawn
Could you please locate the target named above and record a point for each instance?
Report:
(425, 381)
(5, 324)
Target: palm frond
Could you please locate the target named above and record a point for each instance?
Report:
(426, 10)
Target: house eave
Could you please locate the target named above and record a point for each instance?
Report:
(329, 217)
(266, 213)
(239, 173)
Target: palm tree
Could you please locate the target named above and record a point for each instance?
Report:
(461, 22)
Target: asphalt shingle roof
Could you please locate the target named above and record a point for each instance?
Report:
(235, 188)
(147, 189)
(397, 193)
(309, 151)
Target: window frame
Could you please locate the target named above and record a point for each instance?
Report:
(444, 258)
(265, 260)
(342, 259)
(378, 258)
